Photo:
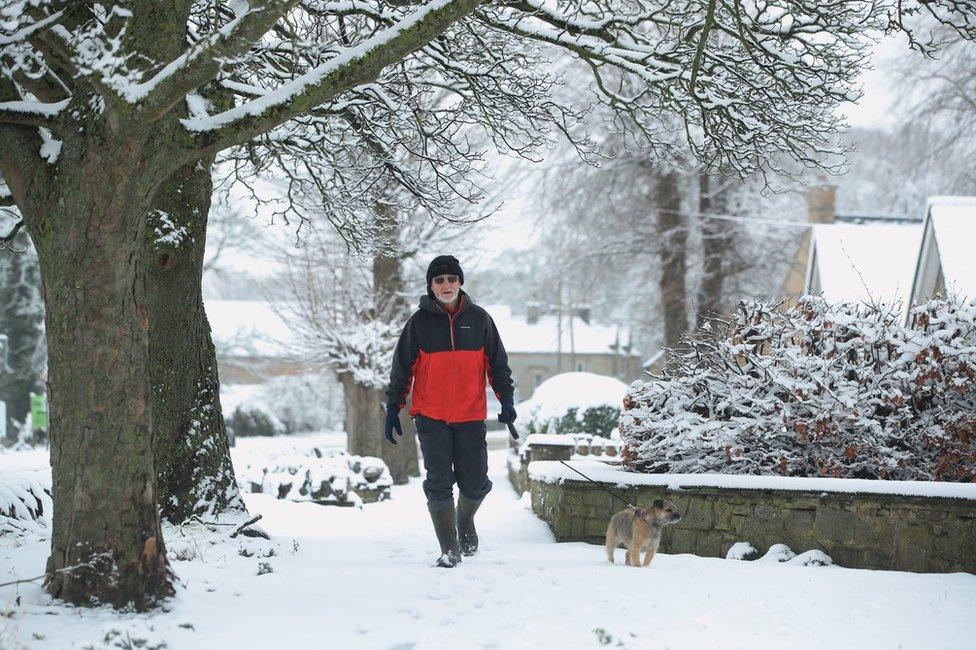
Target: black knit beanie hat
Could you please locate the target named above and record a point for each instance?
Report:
(444, 265)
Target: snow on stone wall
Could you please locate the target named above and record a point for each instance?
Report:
(322, 476)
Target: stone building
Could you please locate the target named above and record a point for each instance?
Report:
(542, 343)
(945, 258)
(890, 259)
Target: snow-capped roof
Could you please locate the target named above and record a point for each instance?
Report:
(245, 328)
(518, 335)
(860, 263)
(953, 220)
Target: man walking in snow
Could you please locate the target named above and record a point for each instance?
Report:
(447, 349)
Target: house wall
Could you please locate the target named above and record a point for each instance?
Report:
(256, 370)
(531, 369)
(929, 280)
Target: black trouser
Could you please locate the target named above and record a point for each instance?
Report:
(455, 452)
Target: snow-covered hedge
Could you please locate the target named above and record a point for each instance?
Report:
(574, 402)
(815, 390)
(254, 419)
(288, 404)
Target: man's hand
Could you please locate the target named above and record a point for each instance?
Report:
(508, 411)
(392, 422)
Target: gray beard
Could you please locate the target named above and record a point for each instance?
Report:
(446, 302)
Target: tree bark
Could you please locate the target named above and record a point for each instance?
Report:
(673, 234)
(365, 415)
(716, 241)
(195, 471)
(365, 418)
(103, 469)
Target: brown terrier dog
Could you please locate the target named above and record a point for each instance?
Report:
(639, 529)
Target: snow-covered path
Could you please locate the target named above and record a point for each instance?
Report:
(363, 579)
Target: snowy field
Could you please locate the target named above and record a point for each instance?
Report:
(351, 578)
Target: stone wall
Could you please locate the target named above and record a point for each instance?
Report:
(557, 447)
(867, 531)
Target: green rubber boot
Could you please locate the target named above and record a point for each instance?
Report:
(467, 535)
(443, 516)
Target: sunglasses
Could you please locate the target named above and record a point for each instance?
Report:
(441, 279)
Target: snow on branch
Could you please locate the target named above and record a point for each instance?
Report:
(32, 113)
(353, 66)
(203, 61)
(25, 32)
(743, 83)
(816, 390)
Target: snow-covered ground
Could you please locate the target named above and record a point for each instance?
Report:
(362, 578)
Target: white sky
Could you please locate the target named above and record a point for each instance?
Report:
(873, 108)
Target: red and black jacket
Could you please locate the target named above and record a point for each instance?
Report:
(446, 358)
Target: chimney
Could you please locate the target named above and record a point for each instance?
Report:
(822, 203)
(583, 311)
(532, 313)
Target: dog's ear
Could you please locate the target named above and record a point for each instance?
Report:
(659, 503)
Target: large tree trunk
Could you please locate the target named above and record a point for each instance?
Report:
(673, 234)
(714, 244)
(196, 475)
(365, 418)
(388, 286)
(103, 469)
(717, 236)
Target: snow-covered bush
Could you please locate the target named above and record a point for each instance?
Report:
(296, 403)
(574, 402)
(815, 390)
(304, 402)
(254, 419)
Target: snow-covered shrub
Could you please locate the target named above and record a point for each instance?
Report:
(299, 403)
(314, 475)
(254, 419)
(25, 506)
(574, 402)
(815, 390)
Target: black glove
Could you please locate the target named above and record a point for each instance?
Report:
(508, 411)
(392, 422)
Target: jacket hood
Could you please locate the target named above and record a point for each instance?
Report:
(434, 306)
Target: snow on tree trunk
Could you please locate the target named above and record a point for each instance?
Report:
(196, 475)
(103, 470)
